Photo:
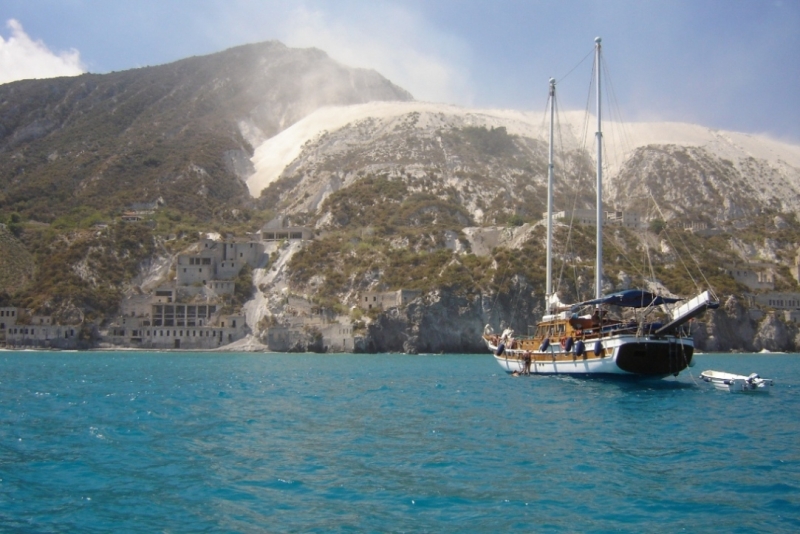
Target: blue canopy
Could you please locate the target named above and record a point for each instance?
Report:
(632, 298)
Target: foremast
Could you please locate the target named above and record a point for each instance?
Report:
(598, 271)
(550, 166)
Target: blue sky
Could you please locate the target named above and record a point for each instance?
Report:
(727, 64)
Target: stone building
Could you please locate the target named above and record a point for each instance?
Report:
(187, 315)
(218, 260)
(338, 337)
(281, 228)
(756, 276)
(386, 299)
(795, 269)
(333, 336)
(42, 336)
(777, 301)
(580, 216)
(628, 219)
(179, 326)
(8, 317)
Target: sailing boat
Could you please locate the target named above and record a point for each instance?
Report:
(583, 338)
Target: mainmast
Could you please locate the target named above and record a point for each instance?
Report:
(549, 284)
(598, 271)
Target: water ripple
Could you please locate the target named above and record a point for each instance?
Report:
(143, 442)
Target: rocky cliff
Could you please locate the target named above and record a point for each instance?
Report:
(448, 323)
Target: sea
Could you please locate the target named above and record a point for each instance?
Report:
(252, 442)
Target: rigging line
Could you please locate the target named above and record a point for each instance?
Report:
(649, 262)
(568, 241)
(499, 285)
(622, 253)
(680, 256)
(560, 153)
(621, 134)
(699, 269)
(578, 65)
(620, 131)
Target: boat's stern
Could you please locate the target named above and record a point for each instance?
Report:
(654, 357)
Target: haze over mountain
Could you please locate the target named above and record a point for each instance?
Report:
(183, 131)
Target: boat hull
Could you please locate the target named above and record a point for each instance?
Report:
(622, 356)
(737, 383)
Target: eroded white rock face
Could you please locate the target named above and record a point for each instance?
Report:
(771, 167)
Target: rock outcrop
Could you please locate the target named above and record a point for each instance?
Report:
(446, 322)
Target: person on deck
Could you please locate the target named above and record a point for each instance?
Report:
(527, 360)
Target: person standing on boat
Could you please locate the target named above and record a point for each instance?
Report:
(527, 360)
(596, 318)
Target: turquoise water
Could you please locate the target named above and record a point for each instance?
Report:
(190, 442)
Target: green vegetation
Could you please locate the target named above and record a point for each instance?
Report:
(243, 286)
(386, 204)
(494, 141)
(84, 269)
(657, 226)
(17, 265)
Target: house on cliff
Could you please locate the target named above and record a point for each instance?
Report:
(281, 228)
(187, 313)
(20, 329)
(756, 276)
(383, 300)
(786, 303)
(306, 326)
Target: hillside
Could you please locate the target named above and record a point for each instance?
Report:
(17, 265)
(441, 200)
(77, 152)
(418, 196)
(183, 131)
(738, 175)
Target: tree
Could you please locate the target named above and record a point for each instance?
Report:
(243, 285)
(657, 226)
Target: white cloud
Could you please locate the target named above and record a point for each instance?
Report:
(23, 58)
(394, 41)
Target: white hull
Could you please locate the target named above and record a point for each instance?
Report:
(579, 366)
(556, 361)
(737, 383)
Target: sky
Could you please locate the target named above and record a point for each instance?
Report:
(724, 64)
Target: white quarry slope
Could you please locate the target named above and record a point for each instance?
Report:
(272, 156)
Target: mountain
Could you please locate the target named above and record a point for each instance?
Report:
(441, 200)
(419, 196)
(690, 171)
(183, 132)
(77, 152)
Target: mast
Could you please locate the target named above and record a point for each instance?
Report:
(598, 271)
(549, 285)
